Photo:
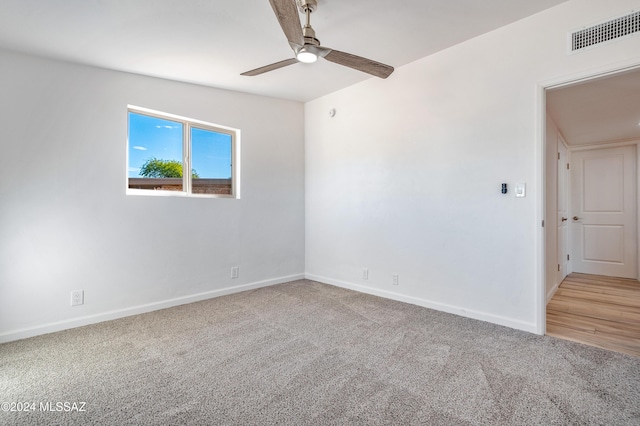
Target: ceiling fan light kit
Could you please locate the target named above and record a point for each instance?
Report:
(306, 47)
(306, 56)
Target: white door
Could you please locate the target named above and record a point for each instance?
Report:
(563, 212)
(603, 212)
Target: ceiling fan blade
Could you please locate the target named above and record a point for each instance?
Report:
(287, 14)
(359, 63)
(271, 67)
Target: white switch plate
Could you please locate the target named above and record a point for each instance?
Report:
(521, 190)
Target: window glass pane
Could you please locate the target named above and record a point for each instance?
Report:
(155, 153)
(211, 162)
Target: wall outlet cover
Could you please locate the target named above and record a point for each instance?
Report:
(77, 297)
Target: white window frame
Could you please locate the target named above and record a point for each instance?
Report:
(187, 125)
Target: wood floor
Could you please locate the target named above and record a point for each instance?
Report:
(598, 311)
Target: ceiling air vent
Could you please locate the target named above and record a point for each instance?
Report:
(606, 31)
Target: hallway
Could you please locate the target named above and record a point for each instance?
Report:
(597, 310)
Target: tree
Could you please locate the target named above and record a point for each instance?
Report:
(157, 168)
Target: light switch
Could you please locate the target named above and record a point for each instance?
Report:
(520, 190)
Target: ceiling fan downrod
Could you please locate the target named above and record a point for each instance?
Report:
(307, 7)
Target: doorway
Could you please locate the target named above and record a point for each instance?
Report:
(599, 118)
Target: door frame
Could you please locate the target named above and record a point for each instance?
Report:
(567, 203)
(544, 232)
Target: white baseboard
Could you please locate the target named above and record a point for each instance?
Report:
(482, 316)
(551, 292)
(37, 330)
(141, 309)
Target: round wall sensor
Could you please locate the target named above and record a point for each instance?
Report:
(332, 112)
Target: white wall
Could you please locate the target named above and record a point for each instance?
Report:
(405, 179)
(66, 223)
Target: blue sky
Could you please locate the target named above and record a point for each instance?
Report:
(156, 137)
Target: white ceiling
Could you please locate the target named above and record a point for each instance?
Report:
(211, 42)
(601, 110)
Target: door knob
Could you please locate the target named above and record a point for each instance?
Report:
(576, 218)
(564, 218)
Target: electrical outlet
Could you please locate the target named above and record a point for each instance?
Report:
(396, 280)
(365, 274)
(77, 297)
(235, 271)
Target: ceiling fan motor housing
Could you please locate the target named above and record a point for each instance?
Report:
(310, 36)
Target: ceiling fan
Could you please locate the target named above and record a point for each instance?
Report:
(307, 47)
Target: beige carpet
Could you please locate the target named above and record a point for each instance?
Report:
(305, 353)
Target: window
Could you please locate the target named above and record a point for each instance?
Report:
(171, 155)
